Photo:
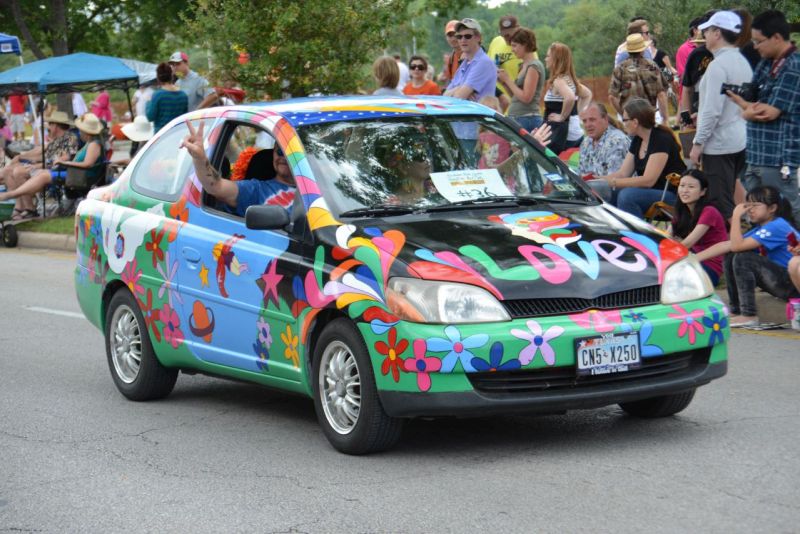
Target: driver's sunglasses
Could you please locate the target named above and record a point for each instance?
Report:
(465, 36)
(417, 66)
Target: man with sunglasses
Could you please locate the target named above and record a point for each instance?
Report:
(453, 59)
(241, 194)
(476, 77)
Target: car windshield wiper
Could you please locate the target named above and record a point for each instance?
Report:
(484, 202)
(557, 200)
(378, 210)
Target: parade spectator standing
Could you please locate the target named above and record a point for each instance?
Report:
(78, 105)
(696, 64)
(168, 101)
(386, 74)
(761, 256)
(404, 74)
(640, 26)
(526, 90)
(197, 88)
(503, 56)
(565, 97)
(453, 59)
(477, 75)
(773, 120)
(101, 107)
(141, 98)
(653, 156)
(638, 77)
(682, 55)
(419, 85)
(604, 148)
(720, 141)
(17, 115)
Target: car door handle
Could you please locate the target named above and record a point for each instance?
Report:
(190, 255)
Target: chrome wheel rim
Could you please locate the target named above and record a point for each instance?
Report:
(340, 387)
(126, 344)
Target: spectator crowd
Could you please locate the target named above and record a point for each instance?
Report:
(722, 164)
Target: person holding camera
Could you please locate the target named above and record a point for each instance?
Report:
(773, 115)
(721, 137)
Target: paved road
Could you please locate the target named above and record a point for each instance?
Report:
(218, 456)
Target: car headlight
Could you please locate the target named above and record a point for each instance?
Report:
(425, 301)
(685, 280)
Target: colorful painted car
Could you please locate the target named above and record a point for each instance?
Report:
(433, 260)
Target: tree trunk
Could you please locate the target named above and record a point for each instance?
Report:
(16, 11)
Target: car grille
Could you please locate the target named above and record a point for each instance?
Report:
(642, 296)
(563, 378)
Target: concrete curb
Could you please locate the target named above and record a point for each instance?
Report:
(47, 241)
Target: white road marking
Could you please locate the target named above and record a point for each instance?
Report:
(55, 312)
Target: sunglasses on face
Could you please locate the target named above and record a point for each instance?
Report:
(465, 36)
(417, 66)
(451, 34)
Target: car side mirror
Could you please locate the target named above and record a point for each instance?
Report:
(265, 217)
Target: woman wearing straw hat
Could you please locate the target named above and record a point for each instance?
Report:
(86, 158)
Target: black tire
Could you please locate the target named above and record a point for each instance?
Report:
(10, 236)
(351, 429)
(659, 406)
(126, 340)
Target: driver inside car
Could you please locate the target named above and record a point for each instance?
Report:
(241, 194)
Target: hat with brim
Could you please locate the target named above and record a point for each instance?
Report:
(59, 117)
(139, 130)
(450, 26)
(635, 43)
(89, 123)
(724, 20)
(470, 24)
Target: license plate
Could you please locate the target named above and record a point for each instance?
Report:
(608, 353)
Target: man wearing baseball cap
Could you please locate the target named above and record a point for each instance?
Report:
(476, 77)
(500, 52)
(453, 59)
(195, 86)
(721, 136)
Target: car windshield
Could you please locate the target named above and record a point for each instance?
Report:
(398, 165)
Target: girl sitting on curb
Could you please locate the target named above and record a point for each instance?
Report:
(699, 225)
(746, 268)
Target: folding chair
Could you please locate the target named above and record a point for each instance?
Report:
(660, 210)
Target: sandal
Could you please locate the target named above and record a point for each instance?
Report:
(21, 215)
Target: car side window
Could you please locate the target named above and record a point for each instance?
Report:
(247, 155)
(163, 169)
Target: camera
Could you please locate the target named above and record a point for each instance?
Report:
(748, 91)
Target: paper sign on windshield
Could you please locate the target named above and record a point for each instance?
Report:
(469, 184)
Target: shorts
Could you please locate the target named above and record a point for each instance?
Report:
(17, 123)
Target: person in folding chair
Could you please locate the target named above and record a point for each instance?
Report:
(90, 158)
(652, 167)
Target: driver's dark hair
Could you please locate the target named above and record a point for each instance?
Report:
(771, 22)
(684, 220)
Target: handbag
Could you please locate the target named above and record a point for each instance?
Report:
(77, 178)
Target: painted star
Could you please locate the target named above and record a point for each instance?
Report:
(270, 280)
(203, 274)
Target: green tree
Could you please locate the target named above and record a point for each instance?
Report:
(297, 48)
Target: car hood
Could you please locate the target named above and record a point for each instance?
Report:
(548, 252)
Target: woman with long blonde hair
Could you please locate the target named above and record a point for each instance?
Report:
(565, 97)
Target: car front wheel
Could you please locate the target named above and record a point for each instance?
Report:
(345, 396)
(663, 406)
(134, 367)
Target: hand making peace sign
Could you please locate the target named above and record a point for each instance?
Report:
(194, 141)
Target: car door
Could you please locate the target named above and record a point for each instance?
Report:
(236, 283)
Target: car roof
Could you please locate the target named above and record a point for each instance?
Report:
(315, 110)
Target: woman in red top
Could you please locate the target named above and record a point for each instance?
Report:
(417, 68)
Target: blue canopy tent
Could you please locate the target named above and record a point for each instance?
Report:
(68, 74)
(9, 44)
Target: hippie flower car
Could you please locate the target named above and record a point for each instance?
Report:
(401, 274)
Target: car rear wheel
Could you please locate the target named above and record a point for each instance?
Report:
(663, 406)
(134, 367)
(345, 396)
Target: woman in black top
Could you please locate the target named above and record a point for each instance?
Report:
(654, 154)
